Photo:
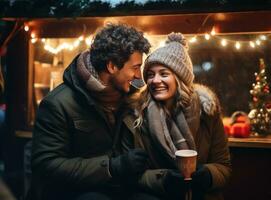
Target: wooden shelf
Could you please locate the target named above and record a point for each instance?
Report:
(252, 142)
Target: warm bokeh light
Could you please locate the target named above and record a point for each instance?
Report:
(224, 42)
(26, 28)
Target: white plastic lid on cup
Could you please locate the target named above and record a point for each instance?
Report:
(186, 153)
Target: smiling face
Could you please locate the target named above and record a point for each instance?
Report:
(161, 83)
(122, 78)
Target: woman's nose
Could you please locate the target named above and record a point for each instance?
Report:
(156, 79)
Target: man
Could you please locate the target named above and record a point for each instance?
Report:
(77, 137)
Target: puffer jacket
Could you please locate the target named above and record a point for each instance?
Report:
(72, 142)
(211, 145)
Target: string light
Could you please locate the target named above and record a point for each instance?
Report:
(252, 44)
(77, 42)
(88, 41)
(263, 37)
(224, 42)
(258, 42)
(34, 40)
(193, 39)
(26, 28)
(33, 35)
(237, 45)
(65, 46)
(81, 38)
(207, 36)
(213, 32)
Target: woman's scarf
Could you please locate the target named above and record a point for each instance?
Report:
(176, 132)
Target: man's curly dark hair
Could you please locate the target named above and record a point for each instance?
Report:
(116, 43)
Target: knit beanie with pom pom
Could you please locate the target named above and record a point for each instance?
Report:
(173, 55)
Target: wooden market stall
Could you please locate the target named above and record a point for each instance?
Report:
(34, 69)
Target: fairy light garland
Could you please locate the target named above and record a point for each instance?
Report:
(223, 42)
(66, 45)
(237, 44)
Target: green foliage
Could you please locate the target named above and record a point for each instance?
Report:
(77, 8)
(94, 7)
(127, 6)
(156, 5)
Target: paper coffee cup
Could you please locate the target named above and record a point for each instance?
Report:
(186, 162)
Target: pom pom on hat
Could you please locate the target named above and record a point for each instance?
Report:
(177, 37)
(173, 55)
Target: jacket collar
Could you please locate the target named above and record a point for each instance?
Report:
(71, 79)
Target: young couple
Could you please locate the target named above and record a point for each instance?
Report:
(95, 139)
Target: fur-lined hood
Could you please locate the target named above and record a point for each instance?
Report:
(208, 99)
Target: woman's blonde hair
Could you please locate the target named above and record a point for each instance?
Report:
(182, 99)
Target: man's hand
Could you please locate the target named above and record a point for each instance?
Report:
(130, 166)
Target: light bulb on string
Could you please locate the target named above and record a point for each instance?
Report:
(263, 37)
(207, 36)
(252, 44)
(81, 38)
(258, 42)
(213, 32)
(70, 48)
(26, 28)
(33, 40)
(33, 35)
(88, 41)
(224, 42)
(76, 43)
(193, 39)
(237, 45)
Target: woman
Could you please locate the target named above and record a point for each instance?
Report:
(178, 114)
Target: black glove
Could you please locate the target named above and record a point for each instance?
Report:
(174, 184)
(127, 168)
(201, 182)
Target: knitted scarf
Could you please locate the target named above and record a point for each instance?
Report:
(176, 132)
(108, 100)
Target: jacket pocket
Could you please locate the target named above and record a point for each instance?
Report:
(84, 125)
(90, 138)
